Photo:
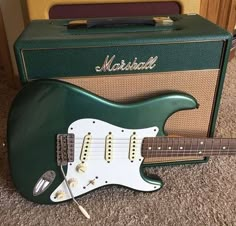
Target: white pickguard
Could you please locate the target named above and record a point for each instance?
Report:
(98, 172)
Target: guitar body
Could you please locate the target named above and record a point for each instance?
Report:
(46, 108)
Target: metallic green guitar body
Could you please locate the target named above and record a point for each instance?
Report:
(46, 108)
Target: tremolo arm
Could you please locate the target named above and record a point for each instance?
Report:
(65, 154)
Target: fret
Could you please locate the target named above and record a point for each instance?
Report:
(149, 145)
(154, 144)
(175, 144)
(191, 147)
(194, 146)
(219, 148)
(208, 146)
(154, 147)
(197, 148)
(167, 144)
(228, 149)
(162, 146)
(187, 146)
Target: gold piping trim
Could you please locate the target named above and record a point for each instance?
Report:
(118, 75)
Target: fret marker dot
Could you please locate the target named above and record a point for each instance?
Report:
(202, 143)
(181, 148)
(200, 152)
(224, 148)
(169, 148)
(159, 148)
(149, 148)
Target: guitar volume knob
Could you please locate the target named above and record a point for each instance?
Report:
(81, 168)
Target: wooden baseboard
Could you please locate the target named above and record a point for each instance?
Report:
(6, 69)
(221, 12)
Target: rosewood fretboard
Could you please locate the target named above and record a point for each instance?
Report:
(180, 146)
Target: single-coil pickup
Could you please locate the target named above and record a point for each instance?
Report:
(108, 148)
(86, 147)
(132, 146)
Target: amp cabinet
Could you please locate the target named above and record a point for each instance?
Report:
(132, 59)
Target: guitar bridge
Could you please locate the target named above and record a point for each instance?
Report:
(65, 148)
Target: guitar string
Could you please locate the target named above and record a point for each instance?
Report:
(174, 152)
(98, 155)
(138, 158)
(146, 145)
(151, 148)
(141, 142)
(143, 148)
(159, 153)
(174, 140)
(124, 157)
(165, 138)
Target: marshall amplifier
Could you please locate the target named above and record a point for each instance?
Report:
(131, 59)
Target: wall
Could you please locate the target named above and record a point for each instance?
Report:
(14, 23)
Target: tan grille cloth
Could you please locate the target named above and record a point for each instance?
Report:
(201, 84)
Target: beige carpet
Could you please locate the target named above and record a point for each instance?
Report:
(196, 195)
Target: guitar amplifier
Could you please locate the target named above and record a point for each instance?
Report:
(132, 59)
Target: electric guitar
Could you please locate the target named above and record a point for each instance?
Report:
(65, 142)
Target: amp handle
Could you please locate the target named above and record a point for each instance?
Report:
(163, 21)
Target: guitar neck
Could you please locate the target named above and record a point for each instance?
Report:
(176, 147)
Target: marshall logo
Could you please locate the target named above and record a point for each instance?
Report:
(109, 66)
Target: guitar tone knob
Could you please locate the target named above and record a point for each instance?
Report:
(72, 182)
(81, 168)
(60, 195)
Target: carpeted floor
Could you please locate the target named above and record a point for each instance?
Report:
(196, 195)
